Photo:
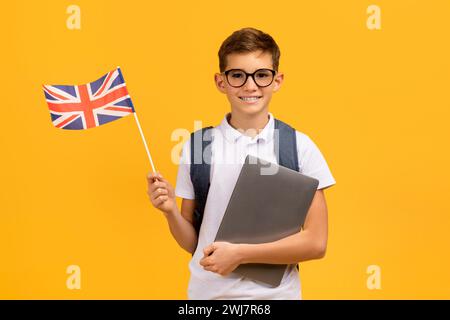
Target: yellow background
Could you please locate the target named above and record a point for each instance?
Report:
(375, 102)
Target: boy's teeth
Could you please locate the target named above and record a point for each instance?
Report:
(249, 98)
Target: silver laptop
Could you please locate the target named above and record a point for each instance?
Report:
(266, 207)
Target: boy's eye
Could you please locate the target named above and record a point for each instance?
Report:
(262, 74)
(237, 75)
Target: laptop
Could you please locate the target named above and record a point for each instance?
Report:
(266, 207)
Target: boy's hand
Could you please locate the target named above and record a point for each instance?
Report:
(161, 193)
(221, 258)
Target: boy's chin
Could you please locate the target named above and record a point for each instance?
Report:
(249, 109)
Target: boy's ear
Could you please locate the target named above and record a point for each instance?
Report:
(279, 78)
(220, 82)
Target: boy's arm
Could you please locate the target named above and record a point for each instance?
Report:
(181, 225)
(162, 196)
(311, 243)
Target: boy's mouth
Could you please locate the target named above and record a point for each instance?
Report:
(250, 99)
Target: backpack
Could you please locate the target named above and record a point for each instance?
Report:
(285, 146)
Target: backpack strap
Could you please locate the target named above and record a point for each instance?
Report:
(285, 144)
(200, 171)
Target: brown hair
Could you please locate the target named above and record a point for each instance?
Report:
(248, 40)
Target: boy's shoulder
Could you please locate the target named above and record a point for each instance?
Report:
(302, 138)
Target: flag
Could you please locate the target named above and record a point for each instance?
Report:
(89, 105)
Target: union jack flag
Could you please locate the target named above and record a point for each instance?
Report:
(89, 105)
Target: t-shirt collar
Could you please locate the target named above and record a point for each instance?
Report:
(232, 134)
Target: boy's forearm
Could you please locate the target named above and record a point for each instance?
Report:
(290, 250)
(182, 230)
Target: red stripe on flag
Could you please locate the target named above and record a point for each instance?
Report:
(124, 109)
(54, 94)
(61, 124)
(87, 106)
(99, 92)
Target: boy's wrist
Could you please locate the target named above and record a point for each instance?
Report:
(243, 249)
(172, 212)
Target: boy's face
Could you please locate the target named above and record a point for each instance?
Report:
(249, 62)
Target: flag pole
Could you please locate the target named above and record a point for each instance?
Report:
(139, 126)
(145, 142)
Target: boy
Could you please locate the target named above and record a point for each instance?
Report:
(249, 75)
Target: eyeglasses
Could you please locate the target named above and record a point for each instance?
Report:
(237, 77)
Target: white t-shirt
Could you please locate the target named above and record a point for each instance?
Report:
(229, 148)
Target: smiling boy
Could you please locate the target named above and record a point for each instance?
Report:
(248, 62)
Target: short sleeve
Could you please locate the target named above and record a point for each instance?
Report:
(312, 163)
(184, 188)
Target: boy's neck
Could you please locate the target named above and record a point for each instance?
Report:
(250, 125)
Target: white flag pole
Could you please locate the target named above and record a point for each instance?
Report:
(139, 126)
(145, 142)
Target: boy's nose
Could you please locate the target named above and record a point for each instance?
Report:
(250, 84)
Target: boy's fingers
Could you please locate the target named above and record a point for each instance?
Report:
(210, 268)
(154, 176)
(157, 185)
(159, 192)
(160, 200)
(152, 188)
(156, 180)
(208, 250)
(205, 262)
(163, 182)
(162, 179)
(157, 188)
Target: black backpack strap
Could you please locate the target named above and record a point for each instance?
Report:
(200, 171)
(285, 144)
